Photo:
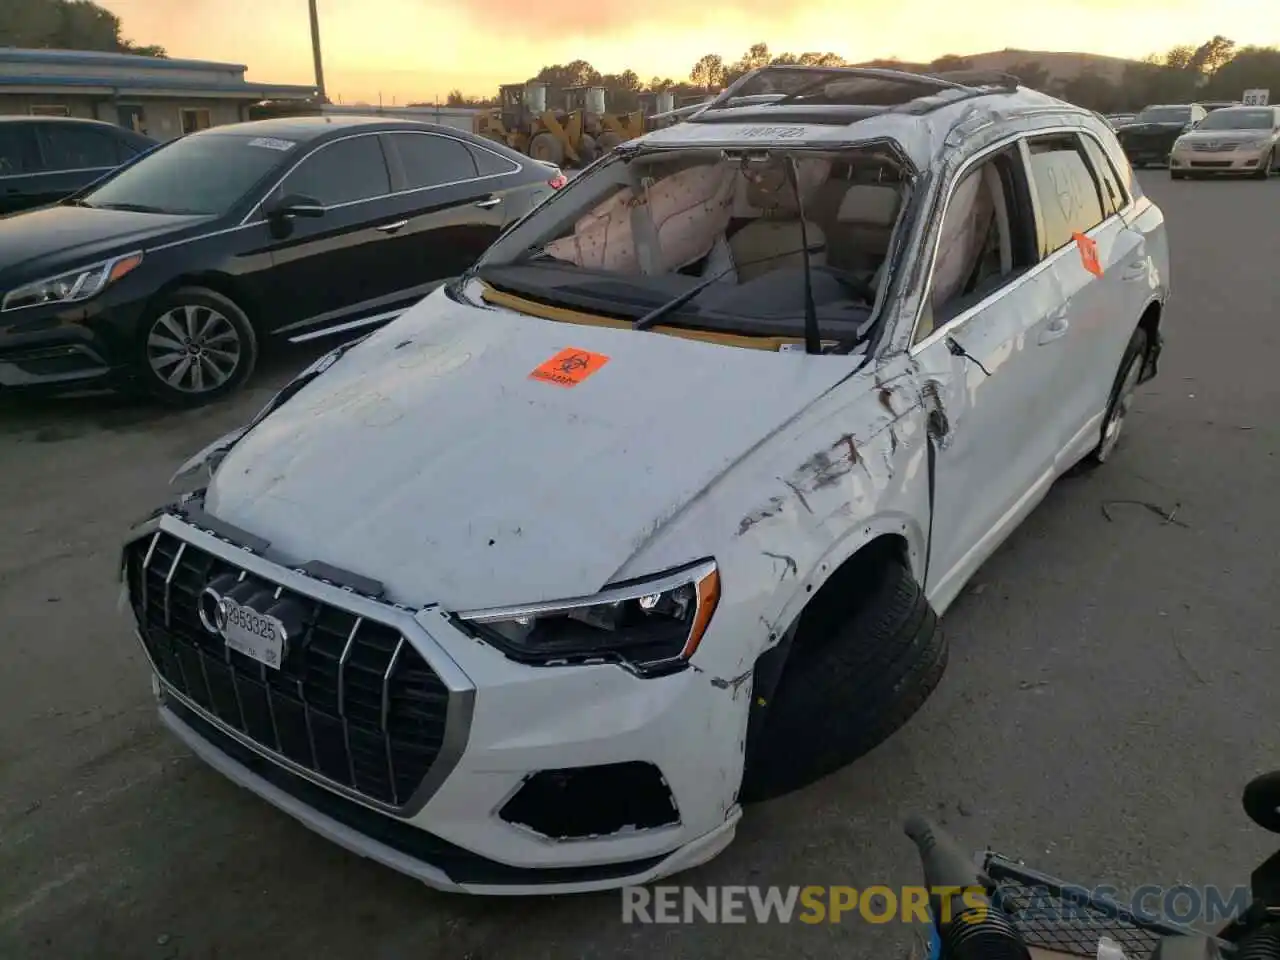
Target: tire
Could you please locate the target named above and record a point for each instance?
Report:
(547, 148)
(1264, 168)
(1121, 397)
(608, 140)
(847, 685)
(588, 150)
(1176, 175)
(195, 329)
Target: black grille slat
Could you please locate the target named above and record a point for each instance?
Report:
(352, 702)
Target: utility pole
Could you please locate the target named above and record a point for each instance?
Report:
(315, 48)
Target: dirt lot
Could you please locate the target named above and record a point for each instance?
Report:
(1112, 687)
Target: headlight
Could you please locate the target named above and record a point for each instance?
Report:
(652, 626)
(72, 286)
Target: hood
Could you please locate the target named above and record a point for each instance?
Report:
(428, 458)
(1227, 136)
(50, 239)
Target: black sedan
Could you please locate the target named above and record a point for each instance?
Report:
(173, 271)
(43, 159)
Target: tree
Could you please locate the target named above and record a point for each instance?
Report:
(1212, 55)
(1031, 73)
(708, 72)
(1092, 91)
(1250, 68)
(65, 25)
(575, 73)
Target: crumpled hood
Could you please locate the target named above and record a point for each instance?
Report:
(428, 459)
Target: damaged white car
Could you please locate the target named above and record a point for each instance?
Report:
(652, 513)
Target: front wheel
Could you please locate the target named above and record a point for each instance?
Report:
(1121, 401)
(853, 677)
(196, 346)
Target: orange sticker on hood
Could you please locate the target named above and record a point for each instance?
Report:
(1088, 253)
(569, 367)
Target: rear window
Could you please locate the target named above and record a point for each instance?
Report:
(18, 151)
(1165, 115)
(68, 147)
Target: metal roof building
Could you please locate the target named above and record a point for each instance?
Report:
(160, 97)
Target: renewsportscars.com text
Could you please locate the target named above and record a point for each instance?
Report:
(883, 904)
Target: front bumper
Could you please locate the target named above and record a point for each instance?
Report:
(59, 347)
(1147, 151)
(508, 726)
(1229, 162)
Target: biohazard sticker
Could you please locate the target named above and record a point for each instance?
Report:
(569, 367)
(1088, 253)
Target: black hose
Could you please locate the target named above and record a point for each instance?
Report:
(1263, 945)
(968, 930)
(983, 933)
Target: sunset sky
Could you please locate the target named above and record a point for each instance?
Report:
(413, 50)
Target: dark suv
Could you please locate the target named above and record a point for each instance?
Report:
(43, 159)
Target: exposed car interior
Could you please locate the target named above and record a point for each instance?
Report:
(669, 220)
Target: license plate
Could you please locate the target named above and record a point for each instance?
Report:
(255, 635)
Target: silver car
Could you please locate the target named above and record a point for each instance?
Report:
(1237, 141)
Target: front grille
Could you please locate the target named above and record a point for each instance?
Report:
(353, 701)
(1211, 164)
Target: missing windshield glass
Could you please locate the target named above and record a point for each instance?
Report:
(715, 240)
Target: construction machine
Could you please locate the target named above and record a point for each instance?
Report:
(523, 122)
(607, 128)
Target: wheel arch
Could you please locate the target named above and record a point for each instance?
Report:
(1149, 323)
(220, 283)
(832, 582)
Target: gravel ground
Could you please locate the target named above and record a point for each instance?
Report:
(1111, 689)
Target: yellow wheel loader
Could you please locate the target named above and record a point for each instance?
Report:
(523, 122)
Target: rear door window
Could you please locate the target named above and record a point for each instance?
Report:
(346, 171)
(489, 163)
(19, 152)
(1114, 196)
(432, 161)
(78, 148)
(1067, 193)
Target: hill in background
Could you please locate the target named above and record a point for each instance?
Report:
(1060, 67)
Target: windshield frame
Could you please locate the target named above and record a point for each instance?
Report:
(1208, 122)
(500, 256)
(248, 199)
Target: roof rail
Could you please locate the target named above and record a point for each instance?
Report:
(980, 78)
(787, 85)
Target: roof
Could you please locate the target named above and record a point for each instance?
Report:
(141, 85)
(99, 58)
(838, 106)
(73, 121)
(303, 129)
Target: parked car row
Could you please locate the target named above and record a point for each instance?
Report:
(172, 271)
(1203, 139)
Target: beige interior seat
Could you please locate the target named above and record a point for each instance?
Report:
(773, 241)
(864, 221)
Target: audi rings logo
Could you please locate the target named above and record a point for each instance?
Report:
(213, 611)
